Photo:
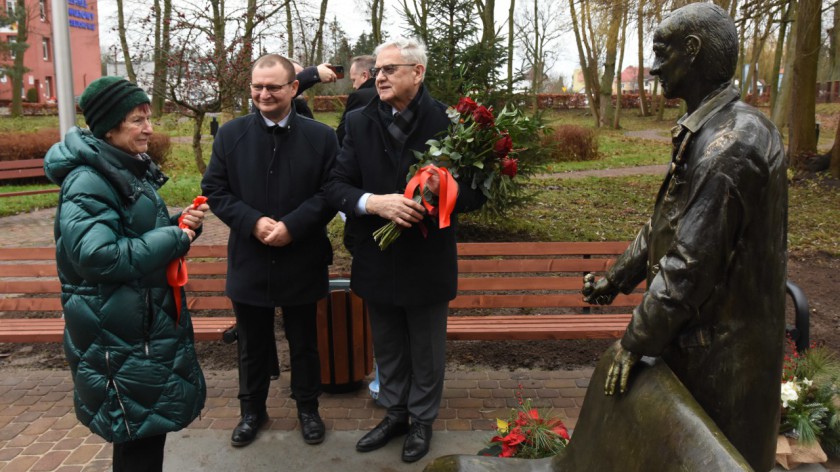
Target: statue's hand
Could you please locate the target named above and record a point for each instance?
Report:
(619, 371)
(601, 292)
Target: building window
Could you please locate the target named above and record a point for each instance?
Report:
(10, 7)
(45, 43)
(48, 91)
(11, 40)
(42, 8)
(2, 78)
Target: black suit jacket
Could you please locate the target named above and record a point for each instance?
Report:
(357, 99)
(255, 171)
(414, 270)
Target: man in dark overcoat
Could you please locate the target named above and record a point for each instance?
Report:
(364, 87)
(714, 252)
(265, 181)
(408, 286)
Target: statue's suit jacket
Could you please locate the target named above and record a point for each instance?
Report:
(714, 256)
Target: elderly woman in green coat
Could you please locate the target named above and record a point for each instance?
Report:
(130, 348)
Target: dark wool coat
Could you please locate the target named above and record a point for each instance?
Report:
(714, 256)
(256, 172)
(414, 270)
(135, 373)
(357, 99)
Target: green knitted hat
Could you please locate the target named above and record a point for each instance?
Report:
(107, 101)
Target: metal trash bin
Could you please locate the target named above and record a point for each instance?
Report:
(345, 344)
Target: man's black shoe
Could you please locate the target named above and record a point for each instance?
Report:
(311, 427)
(379, 436)
(417, 442)
(246, 431)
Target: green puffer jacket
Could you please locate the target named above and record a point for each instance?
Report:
(135, 371)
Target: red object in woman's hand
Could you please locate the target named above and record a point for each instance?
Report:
(197, 202)
(176, 271)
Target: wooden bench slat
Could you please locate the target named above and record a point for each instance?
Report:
(542, 248)
(30, 304)
(534, 301)
(465, 284)
(30, 192)
(28, 270)
(22, 164)
(27, 253)
(30, 286)
(52, 329)
(532, 265)
(21, 173)
(536, 327)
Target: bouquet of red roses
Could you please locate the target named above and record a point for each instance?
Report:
(476, 149)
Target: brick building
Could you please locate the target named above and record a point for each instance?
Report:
(39, 56)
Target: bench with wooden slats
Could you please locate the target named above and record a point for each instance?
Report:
(23, 169)
(516, 291)
(29, 283)
(531, 290)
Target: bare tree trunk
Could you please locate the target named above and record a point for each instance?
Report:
(660, 112)
(781, 110)
(802, 141)
(318, 45)
(834, 44)
(537, 66)
(640, 28)
(161, 56)
(226, 92)
(616, 121)
(742, 54)
(290, 30)
(777, 57)
(580, 41)
(129, 68)
(247, 54)
(834, 165)
(198, 123)
(607, 110)
(18, 67)
(376, 9)
(486, 10)
(510, 47)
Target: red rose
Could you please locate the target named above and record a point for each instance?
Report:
(510, 167)
(503, 146)
(483, 117)
(466, 105)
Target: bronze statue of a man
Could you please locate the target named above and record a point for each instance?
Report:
(714, 252)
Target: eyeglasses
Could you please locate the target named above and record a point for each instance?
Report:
(269, 88)
(388, 70)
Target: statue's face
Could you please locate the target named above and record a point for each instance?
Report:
(671, 62)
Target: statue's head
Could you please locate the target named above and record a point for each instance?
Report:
(696, 42)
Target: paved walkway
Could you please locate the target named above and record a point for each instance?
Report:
(39, 431)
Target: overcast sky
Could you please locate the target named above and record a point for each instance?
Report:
(354, 22)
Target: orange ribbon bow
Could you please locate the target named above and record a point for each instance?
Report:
(448, 193)
(176, 271)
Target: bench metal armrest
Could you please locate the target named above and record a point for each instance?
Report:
(801, 332)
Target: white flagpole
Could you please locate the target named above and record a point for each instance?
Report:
(63, 67)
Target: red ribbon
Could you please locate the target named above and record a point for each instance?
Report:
(176, 271)
(447, 195)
